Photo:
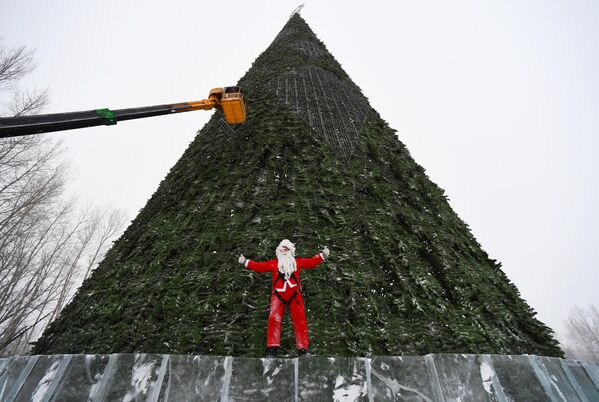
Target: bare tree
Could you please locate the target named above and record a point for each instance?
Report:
(47, 246)
(582, 334)
(105, 225)
(15, 64)
(95, 228)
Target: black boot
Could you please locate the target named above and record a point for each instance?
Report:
(271, 352)
(302, 352)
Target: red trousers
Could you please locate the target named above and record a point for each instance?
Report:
(298, 315)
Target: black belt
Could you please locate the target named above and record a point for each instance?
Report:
(283, 300)
(282, 277)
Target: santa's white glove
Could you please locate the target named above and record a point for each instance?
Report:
(326, 252)
(241, 259)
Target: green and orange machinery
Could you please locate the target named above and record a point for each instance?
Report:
(228, 99)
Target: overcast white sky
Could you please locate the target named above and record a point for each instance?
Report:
(497, 100)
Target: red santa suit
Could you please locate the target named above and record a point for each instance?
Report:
(286, 292)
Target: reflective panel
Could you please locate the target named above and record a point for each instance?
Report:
(518, 378)
(134, 377)
(400, 379)
(12, 373)
(262, 380)
(193, 378)
(561, 386)
(39, 381)
(332, 379)
(82, 378)
(465, 378)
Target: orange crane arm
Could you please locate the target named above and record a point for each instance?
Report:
(205, 104)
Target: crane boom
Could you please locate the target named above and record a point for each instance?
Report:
(229, 100)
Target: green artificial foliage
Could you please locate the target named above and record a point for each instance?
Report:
(405, 276)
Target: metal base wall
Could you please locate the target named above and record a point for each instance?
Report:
(150, 377)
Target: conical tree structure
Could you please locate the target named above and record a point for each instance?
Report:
(317, 165)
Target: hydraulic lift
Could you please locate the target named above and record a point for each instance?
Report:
(227, 99)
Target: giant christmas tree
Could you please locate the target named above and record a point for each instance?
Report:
(315, 164)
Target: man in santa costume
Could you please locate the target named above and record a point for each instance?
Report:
(286, 291)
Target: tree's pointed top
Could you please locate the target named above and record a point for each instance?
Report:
(296, 25)
(297, 10)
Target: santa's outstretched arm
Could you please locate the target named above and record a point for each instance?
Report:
(266, 266)
(308, 263)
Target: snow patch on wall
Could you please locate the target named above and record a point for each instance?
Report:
(486, 374)
(142, 372)
(44, 383)
(348, 392)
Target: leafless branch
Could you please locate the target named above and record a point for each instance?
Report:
(583, 333)
(15, 63)
(28, 102)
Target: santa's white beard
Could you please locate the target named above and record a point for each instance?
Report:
(286, 263)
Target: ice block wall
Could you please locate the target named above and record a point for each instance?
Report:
(150, 377)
